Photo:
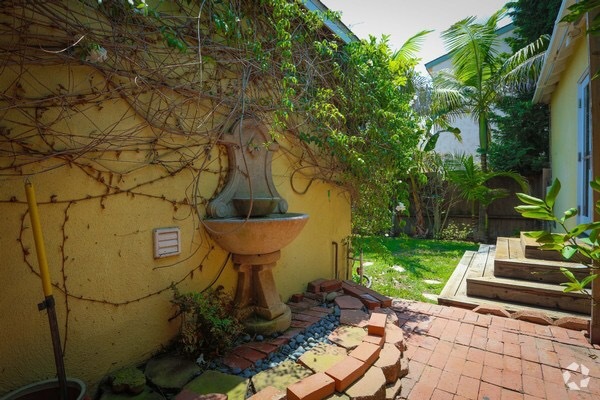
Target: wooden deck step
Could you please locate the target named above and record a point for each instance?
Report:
(531, 250)
(530, 293)
(472, 263)
(511, 262)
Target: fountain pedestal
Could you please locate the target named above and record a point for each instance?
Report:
(249, 219)
(257, 294)
(254, 244)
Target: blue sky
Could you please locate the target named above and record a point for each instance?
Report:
(402, 19)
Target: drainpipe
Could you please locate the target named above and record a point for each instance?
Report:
(335, 259)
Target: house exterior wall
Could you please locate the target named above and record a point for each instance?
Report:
(564, 125)
(98, 211)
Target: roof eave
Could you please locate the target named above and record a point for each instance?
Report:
(559, 49)
(335, 26)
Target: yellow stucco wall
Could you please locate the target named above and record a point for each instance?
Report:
(98, 213)
(563, 127)
(101, 250)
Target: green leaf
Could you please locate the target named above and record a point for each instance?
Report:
(572, 287)
(527, 199)
(556, 238)
(579, 229)
(530, 208)
(570, 213)
(594, 235)
(569, 275)
(432, 142)
(595, 184)
(568, 251)
(552, 246)
(552, 193)
(588, 279)
(539, 215)
(536, 234)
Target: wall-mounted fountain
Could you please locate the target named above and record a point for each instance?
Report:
(249, 219)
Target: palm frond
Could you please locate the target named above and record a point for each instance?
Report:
(411, 47)
(521, 70)
(474, 48)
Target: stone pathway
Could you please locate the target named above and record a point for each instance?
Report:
(458, 354)
(384, 349)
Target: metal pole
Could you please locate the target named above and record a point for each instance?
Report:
(360, 268)
(48, 305)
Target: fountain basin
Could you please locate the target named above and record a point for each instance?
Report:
(259, 235)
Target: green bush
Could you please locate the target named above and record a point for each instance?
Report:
(210, 322)
(457, 231)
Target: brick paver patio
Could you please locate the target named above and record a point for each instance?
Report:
(458, 354)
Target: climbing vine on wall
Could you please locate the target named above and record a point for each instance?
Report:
(165, 79)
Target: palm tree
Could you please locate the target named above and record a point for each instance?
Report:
(480, 74)
(471, 181)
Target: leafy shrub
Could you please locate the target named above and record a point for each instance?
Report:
(456, 231)
(210, 322)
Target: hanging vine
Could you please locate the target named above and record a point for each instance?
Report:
(163, 80)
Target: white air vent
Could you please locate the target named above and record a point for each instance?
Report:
(167, 242)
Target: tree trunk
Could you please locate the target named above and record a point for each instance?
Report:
(420, 229)
(482, 225)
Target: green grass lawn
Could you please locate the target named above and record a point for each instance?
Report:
(419, 258)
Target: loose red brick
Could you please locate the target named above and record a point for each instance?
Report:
(346, 372)
(366, 352)
(369, 301)
(233, 361)
(378, 340)
(268, 393)
(318, 297)
(189, 395)
(297, 298)
(304, 317)
(248, 353)
(314, 286)
(314, 387)
(332, 285)
(377, 324)
(348, 303)
(493, 310)
(263, 347)
(537, 317)
(578, 324)
(395, 336)
(354, 291)
(384, 300)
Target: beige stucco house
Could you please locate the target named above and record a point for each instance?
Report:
(117, 127)
(566, 86)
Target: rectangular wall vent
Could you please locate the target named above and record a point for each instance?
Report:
(167, 242)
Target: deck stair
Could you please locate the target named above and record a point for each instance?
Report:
(516, 275)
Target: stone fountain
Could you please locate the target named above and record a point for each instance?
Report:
(249, 219)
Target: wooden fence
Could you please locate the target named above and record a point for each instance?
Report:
(503, 220)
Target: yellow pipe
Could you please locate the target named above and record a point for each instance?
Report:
(38, 238)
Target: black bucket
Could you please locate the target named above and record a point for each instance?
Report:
(48, 390)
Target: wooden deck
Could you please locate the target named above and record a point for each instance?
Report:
(480, 264)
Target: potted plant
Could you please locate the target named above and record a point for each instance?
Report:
(48, 390)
